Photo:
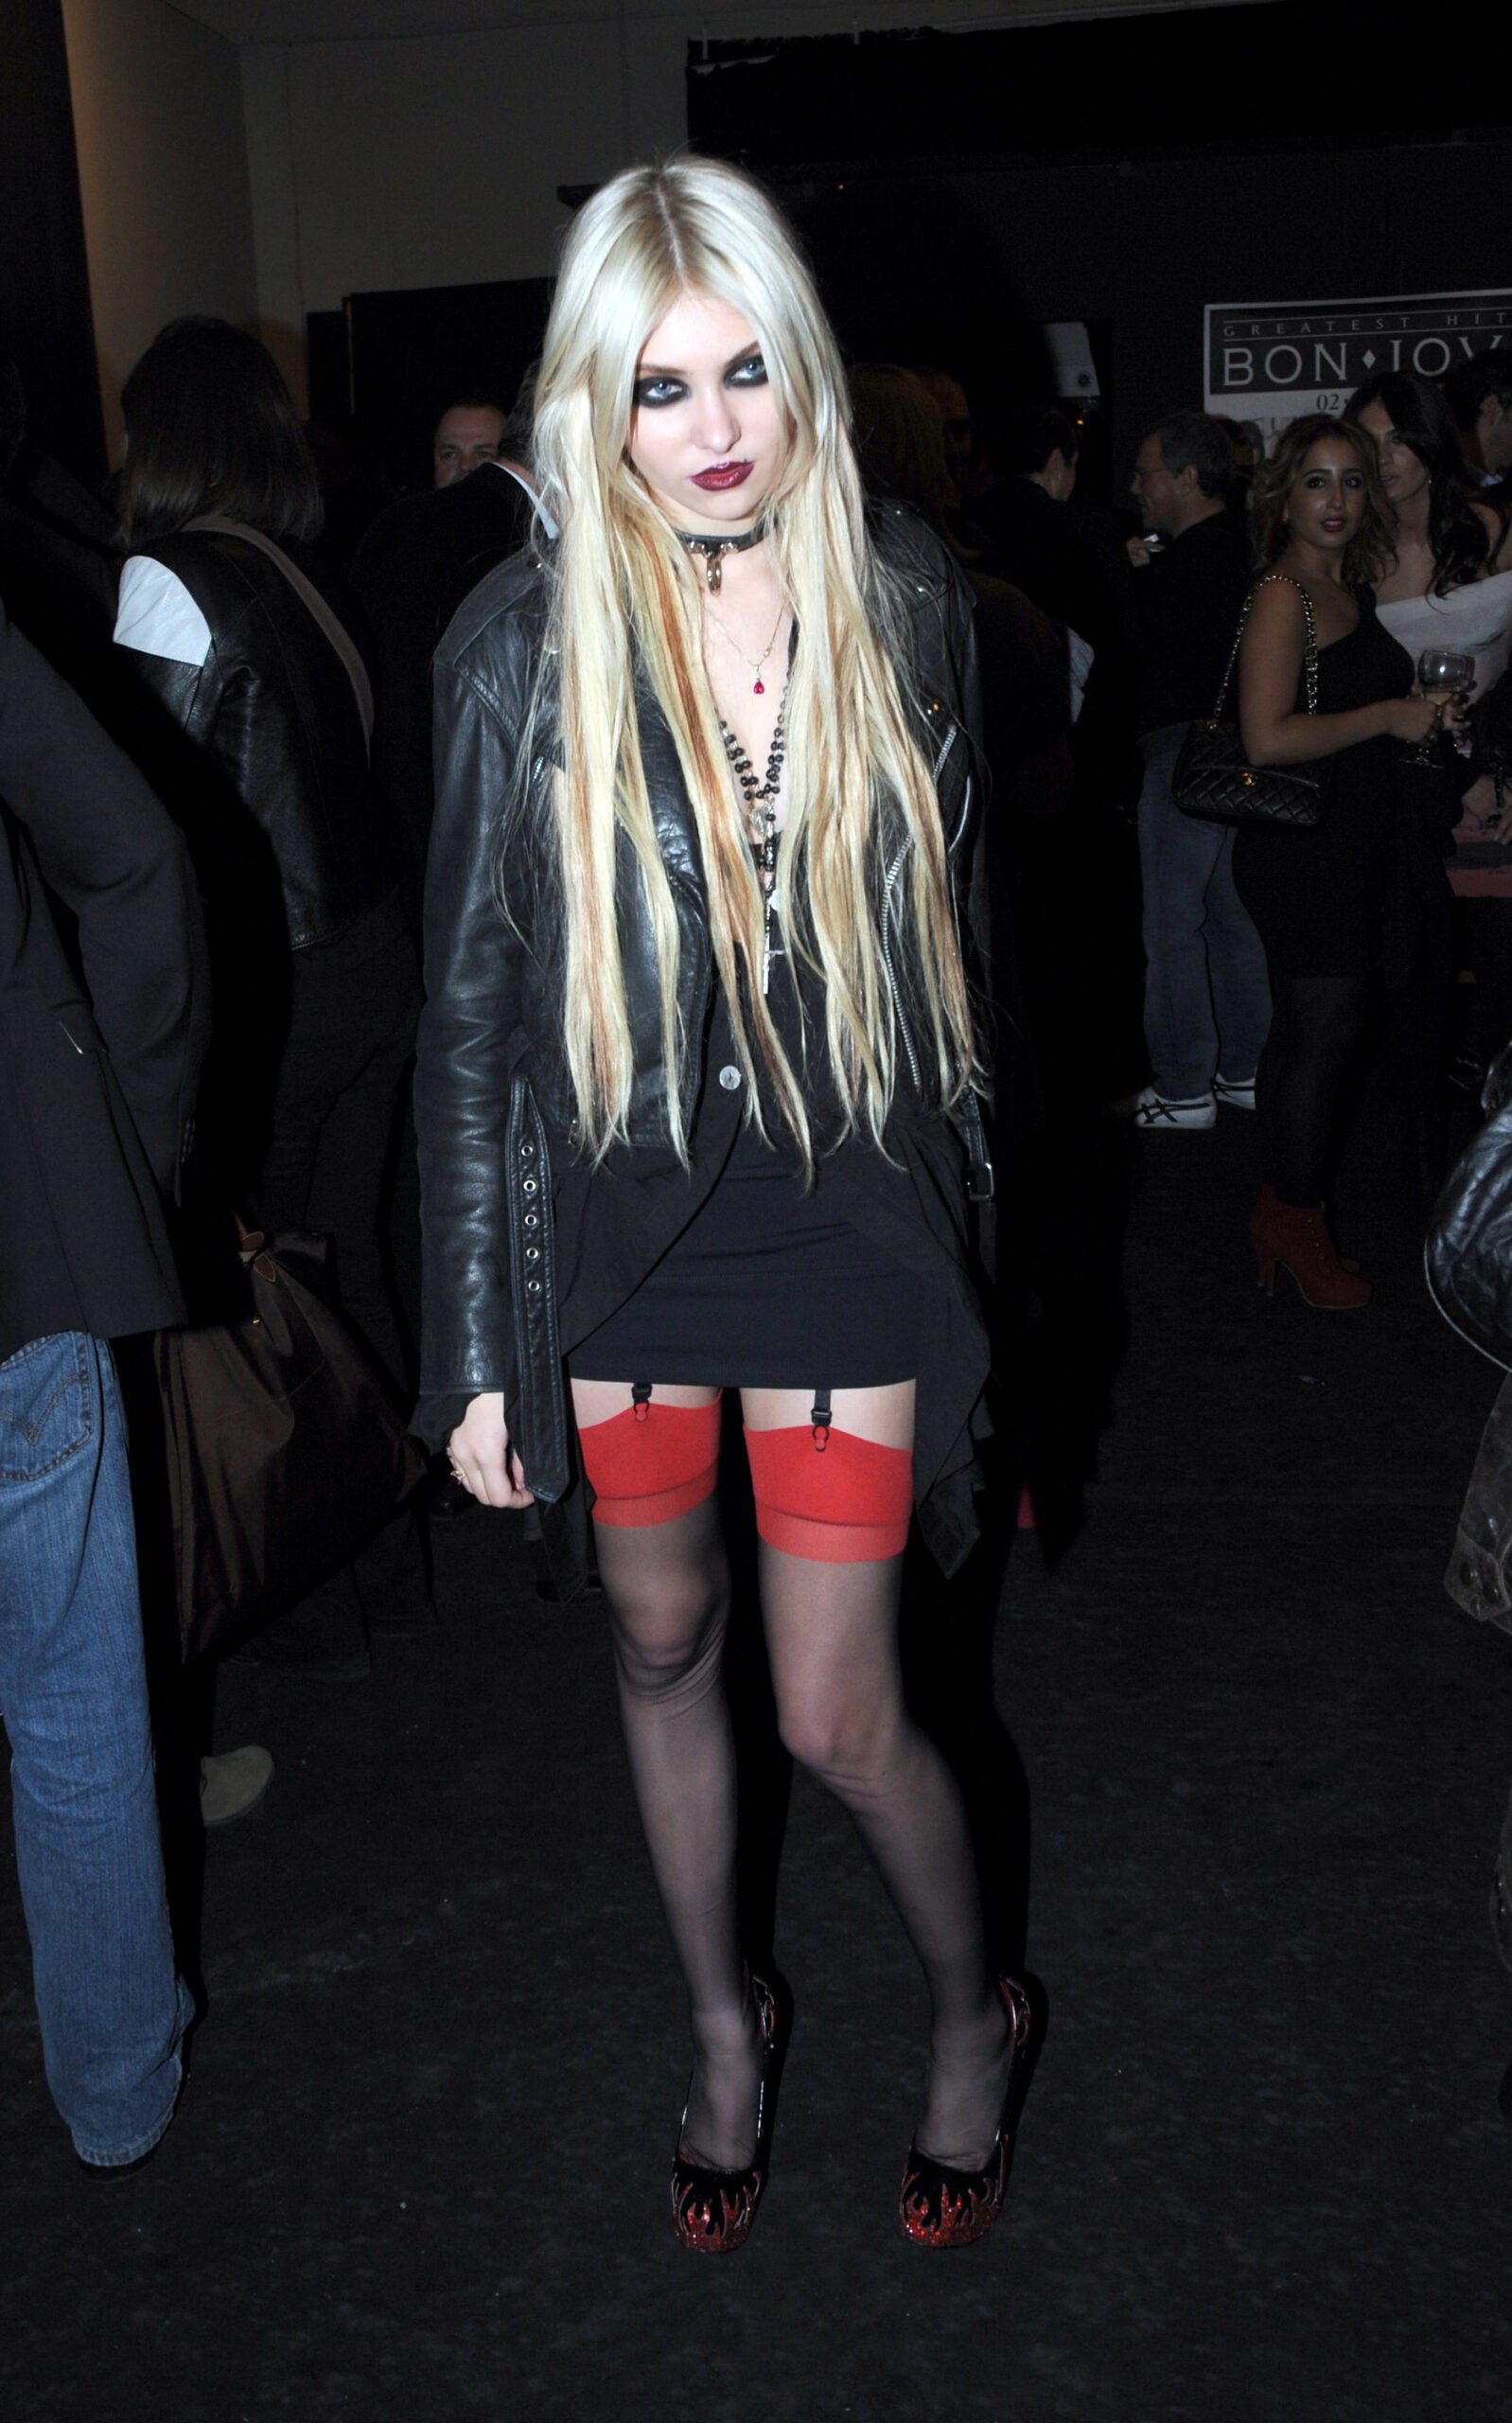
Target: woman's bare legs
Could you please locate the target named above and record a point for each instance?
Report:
(832, 1633)
(668, 1591)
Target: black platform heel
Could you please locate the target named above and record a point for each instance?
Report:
(938, 2206)
(713, 2210)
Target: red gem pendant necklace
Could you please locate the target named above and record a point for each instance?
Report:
(758, 688)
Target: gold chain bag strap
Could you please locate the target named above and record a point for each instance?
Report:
(1214, 780)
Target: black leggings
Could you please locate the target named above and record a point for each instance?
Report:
(1306, 1076)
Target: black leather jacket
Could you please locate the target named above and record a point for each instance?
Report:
(493, 1105)
(260, 753)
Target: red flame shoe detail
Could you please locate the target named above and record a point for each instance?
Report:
(713, 2210)
(941, 2207)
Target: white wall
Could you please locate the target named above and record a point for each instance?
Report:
(358, 145)
(162, 174)
(435, 162)
(434, 159)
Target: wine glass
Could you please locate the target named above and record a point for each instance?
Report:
(1442, 674)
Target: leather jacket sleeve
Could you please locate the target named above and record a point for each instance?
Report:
(469, 1040)
(259, 751)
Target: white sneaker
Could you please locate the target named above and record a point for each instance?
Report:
(1239, 1094)
(1154, 1111)
(232, 1782)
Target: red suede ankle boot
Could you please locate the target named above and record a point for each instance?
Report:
(1296, 1236)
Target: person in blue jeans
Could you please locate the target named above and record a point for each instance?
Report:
(1207, 999)
(100, 1045)
(112, 2009)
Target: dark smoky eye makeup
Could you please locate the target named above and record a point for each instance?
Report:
(656, 387)
(750, 371)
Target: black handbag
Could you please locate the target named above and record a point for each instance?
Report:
(286, 1449)
(1214, 780)
(1468, 1261)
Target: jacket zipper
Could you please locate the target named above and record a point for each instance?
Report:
(889, 879)
(888, 882)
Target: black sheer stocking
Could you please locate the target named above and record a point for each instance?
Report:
(832, 1634)
(831, 1631)
(1303, 1084)
(668, 1589)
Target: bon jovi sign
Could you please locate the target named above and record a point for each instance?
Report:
(1268, 361)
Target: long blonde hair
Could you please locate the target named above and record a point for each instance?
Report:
(623, 599)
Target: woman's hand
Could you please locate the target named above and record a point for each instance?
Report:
(1416, 718)
(1480, 813)
(1411, 718)
(483, 1458)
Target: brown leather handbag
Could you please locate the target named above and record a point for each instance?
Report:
(286, 1448)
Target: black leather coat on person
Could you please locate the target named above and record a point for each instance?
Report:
(528, 1246)
(260, 753)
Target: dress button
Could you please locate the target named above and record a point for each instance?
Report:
(730, 1078)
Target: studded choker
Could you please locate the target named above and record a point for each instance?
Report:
(713, 551)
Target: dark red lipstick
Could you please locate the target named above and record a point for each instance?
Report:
(724, 475)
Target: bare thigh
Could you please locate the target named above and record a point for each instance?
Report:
(883, 1415)
(600, 1400)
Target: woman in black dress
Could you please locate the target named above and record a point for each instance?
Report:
(694, 1075)
(1332, 905)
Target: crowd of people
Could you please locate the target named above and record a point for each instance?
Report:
(766, 741)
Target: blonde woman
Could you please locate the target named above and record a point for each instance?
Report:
(694, 1076)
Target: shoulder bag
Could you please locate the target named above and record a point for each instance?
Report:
(327, 621)
(286, 1450)
(1214, 780)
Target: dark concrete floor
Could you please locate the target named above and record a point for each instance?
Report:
(420, 2170)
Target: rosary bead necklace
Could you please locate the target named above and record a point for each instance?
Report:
(760, 803)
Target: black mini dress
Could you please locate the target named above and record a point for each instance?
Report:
(768, 1285)
(765, 1289)
(1329, 902)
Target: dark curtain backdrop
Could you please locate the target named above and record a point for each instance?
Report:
(955, 190)
(44, 314)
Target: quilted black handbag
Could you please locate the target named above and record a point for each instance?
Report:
(1214, 780)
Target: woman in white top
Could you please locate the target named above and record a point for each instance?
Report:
(1449, 585)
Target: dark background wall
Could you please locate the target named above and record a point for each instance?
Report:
(413, 353)
(954, 191)
(44, 314)
(951, 267)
